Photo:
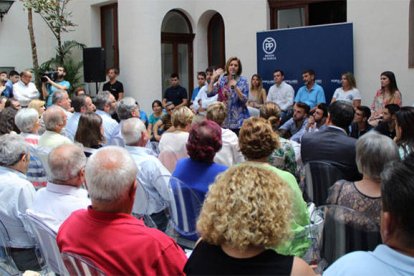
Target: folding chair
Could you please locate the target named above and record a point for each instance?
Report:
(46, 239)
(79, 265)
(319, 176)
(184, 208)
(7, 264)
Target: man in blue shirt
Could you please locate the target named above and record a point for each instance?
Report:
(201, 80)
(50, 86)
(396, 255)
(311, 93)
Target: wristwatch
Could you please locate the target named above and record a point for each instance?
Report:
(232, 87)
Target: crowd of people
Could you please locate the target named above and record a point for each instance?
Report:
(82, 164)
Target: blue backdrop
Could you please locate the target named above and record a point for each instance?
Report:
(327, 49)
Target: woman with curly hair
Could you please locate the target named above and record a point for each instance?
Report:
(246, 212)
(257, 142)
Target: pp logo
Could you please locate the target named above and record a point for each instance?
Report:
(269, 45)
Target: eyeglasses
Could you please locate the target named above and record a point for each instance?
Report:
(170, 109)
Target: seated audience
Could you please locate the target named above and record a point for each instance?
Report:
(7, 124)
(199, 170)
(105, 107)
(81, 104)
(90, 132)
(154, 117)
(27, 120)
(373, 152)
(396, 255)
(360, 124)
(247, 212)
(295, 127)
(229, 154)
(172, 144)
(107, 234)
(404, 128)
(257, 142)
(283, 157)
(16, 194)
(332, 144)
(317, 119)
(55, 120)
(149, 171)
(164, 123)
(63, 193)
(257, 95)
(126, 108)
(387, 125)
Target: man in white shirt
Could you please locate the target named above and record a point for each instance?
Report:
(63, 193)
(16, 195)
(105, 106)
(281, 93)
(149, 171)
(24, 91)
(55, 121)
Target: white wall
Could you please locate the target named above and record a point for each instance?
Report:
(381, 44)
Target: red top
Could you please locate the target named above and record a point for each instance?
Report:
(120, 244)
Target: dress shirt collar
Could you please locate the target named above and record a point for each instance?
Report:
(9, 170)
(141, 151)
(101, 113)
(341, 129)
(63, 189)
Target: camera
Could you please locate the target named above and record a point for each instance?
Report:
(53, 75)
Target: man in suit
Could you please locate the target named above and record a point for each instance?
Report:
(332, 144)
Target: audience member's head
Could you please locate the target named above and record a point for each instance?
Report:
(388, 114)
(26, 76)
(392, 82)
(373, 152)
(127, 108)
(217, 112)
(90, 130)
(134, 132)
(80, 91)
(397, 188)
(300, 111)
(341, 114)
(257, 140)
(404, 128)
(13, 103)
(61, 98)
(204, 141)
(14, 152)
(82, 104)
(7, 123)
(157, 106)
(67, 165)
(38, 105)
(182, 117)
(271, 112)
(247, 206)
(362, 114)
(14, 76)
(54, 118)
(27, 120)
(110, 175)
(321, 112)
(105, 101)
(348, 80)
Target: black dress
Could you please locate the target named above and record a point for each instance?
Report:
(208, 259)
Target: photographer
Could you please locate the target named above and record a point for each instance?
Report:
(52, 83)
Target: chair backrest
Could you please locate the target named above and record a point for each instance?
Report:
(184, 208)
(46, 238)
(5, 253)
(140, 207)
(319, 176)
(79, 265)
(42, 153)
(168, 159)
(346, 230)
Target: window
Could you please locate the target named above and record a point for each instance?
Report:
(109, 34)
(216, 44)
(287, 14)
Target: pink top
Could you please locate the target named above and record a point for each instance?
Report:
(380, 102)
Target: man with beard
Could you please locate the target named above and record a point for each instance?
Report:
(295, 127)
(311, 93)
(51, 86)
(105, 106)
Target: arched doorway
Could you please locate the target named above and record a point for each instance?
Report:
(177, 49)
(216, 42)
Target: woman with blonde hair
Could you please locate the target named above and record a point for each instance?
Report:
(257, 142)
(257, 95)
(173, 142)
(246, 212)
(348, 91)
(38, 105)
